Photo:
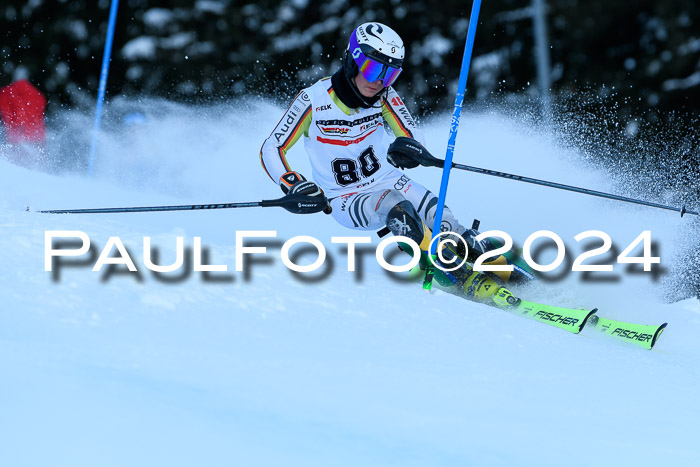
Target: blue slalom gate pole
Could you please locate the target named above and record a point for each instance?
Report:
(103, 84)
(454, 125)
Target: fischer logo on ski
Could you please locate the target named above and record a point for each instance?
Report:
(566, 320)
(632, 335)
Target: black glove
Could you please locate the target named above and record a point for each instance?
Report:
(308, 193)
(407, 153)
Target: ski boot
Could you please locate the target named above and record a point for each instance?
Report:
(490, 290)
(475, 248)
(505, 299)
(481, 287)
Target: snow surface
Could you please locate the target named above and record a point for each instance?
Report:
(113, 370)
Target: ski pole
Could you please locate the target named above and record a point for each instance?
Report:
(575, 189)
(427, 160)
(454, 125)
(292, 203)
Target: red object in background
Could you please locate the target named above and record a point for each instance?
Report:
(22, 111)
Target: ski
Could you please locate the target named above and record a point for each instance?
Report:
(642, 335)
(575, 319)
(479, 287)
(568, 319)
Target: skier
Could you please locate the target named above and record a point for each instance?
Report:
(354, 162)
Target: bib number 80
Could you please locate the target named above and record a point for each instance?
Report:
(346, 170)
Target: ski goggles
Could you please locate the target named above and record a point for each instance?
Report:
(372, 69)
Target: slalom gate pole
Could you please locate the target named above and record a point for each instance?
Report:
(106, 56)
(454, 125)
(575, 189)
(288, 202)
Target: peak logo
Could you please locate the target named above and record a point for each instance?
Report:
(323, 108)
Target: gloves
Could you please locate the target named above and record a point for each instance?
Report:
(293, 184)
(407, 153)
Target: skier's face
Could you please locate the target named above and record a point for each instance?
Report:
(366, 88)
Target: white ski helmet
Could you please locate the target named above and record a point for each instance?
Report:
(376, 51)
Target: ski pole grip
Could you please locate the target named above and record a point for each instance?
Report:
(298, 203)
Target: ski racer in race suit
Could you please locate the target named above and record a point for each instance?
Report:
(354, 162)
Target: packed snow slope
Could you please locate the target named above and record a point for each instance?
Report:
(113, 368)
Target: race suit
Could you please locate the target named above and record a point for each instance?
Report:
(347, 150)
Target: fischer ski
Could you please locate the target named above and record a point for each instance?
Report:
(489, 289)
(639, 334)
(568, 319)
(575, 319)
